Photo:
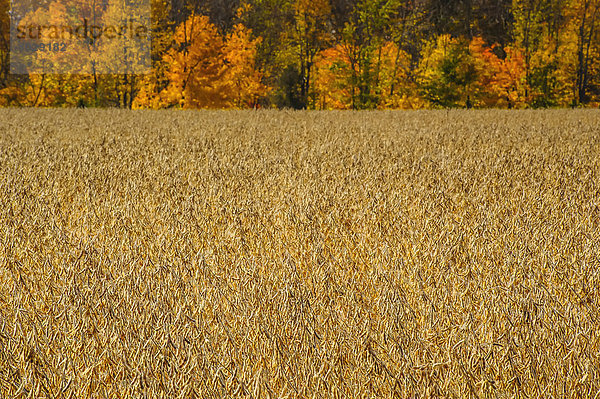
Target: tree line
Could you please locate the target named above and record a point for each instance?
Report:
(340, 54)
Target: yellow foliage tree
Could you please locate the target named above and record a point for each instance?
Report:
(196, 69)
(310, 36)
(333, 72)
(205, 71)
(397, 90)
(239, 52)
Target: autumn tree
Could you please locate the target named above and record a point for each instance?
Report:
(448, 72)
(488, 19)
(245, 80)
(585, 15)
(207, 71)
(4, 43)
(45, 77)
(500, 79)
(273, 21)
(407, 33)
(361, 38)
(397, 85)
(124, 57)
(196, 67)
(331, 77)
(311, 34)
(537, 31)
(152, 83)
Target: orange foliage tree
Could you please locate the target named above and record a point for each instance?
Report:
(500, 81)
(331, 76)
(244, 79)
(334, 74)
(205, 71)
(196, 66)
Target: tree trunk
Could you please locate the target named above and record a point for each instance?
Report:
(527, 54)
(37, 97)
(584, 56)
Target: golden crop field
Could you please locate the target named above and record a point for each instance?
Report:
(268, 254)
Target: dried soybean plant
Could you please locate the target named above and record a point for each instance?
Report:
(296, 254)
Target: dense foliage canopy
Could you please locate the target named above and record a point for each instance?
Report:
(341, 54)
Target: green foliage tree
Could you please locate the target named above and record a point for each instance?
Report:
(537, 30)
(310, 35)
(448, 71)
(273, 21)
(372, 23)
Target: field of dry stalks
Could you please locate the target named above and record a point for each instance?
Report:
(302, 255)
